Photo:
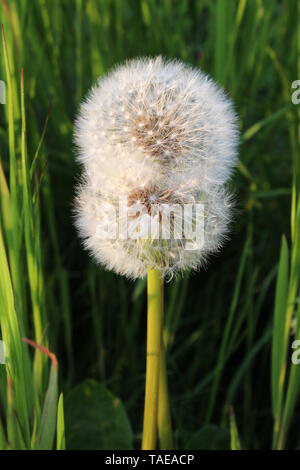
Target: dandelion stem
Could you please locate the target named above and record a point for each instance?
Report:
(154, 335)
(164, 414)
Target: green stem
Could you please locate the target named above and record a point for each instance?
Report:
(164, 414)
(154, 335)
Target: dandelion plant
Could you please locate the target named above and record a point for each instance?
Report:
(158, 141)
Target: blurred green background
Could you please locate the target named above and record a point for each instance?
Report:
(219, 321)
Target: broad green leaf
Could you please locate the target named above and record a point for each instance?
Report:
(60, 426)
(234, 434)
(47, 426)
(10, 330)
(96, 419)
(14, 435)
(279, 339)
(293, 299)
(209, 437)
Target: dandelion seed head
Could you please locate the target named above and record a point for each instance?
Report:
(157, 133)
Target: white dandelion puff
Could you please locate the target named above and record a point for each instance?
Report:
(163, 137)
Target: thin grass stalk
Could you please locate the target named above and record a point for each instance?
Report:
(13, 236)
(282, 425)
(154, 335)
(31, 243)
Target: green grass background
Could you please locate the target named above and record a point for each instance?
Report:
(225, 358)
